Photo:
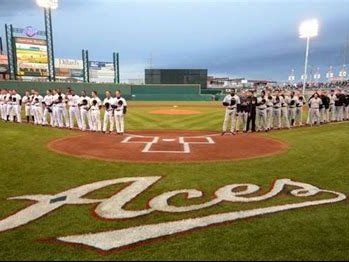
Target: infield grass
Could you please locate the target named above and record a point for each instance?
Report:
(317, 155)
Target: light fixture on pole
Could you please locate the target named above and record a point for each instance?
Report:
(48, 6)
(308, 29)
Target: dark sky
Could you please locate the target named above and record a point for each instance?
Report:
(249, 38)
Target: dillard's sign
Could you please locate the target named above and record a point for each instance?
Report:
(113, 208)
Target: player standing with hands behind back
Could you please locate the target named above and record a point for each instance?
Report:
(120, 109)
(231, 103)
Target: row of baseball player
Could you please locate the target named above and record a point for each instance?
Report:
(277, 109)
(65, 110)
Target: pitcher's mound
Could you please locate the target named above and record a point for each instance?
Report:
(174, 112)
(167, 146)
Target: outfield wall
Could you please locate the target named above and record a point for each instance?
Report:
(132, 92)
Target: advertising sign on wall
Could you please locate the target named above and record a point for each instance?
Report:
(69, 69)
(101, 72)
(31, 57)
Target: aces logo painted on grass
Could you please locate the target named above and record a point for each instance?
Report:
(113, 208)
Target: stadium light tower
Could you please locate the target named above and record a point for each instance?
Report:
(308, 29)
(48, 6)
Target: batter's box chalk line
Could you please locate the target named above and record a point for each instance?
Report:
(186, 145)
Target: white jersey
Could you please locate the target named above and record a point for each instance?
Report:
(96, 100)
(58, 100)
(84, 102)
(283, 101)
(262, 103)
(293, 101)
(270, 101)
(108, 102)
(37, 100)
(15, 99)
(26, 100)
(277, 102)
(233, 101)
(332, 98)
(301, 102)
(120, 104)
(48, 100)
(314, 103)
(73, 100)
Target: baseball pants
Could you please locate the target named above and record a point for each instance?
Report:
(292, 115)
(230, 116)
(3, 111)
(65, 116)
(269, 118)
(58, 116)
(27, 109)
(332, 111)
(38, 115)
(96, 120)
(284, 118)
(262, 119)
(108, 119)
(242, 121)
(85, 117)
(120, 123)
(314, 116)
(299, 116)
(277, 117)
(14, 111)
(339, 113)
(45, 116)
(346, 113)
(74, 115)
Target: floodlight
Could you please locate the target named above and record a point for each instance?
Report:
(51, 4)
(309, 28)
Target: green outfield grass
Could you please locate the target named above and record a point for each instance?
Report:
(317, 155)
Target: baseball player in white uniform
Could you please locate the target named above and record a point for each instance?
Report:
(74, 112)
(314, 108)
(65, 110)
(14, 107)
(346, 106)
(57, 109)
(299, 111)
(37, 108)
(270, 106)
(230, 102)
(339, 106)
(284, 111)
(32, 94)
(332, 109)
(3, 104)
(262, 112)
(277, 111)
(95, 111)
(27, 105)
(84, 104)
(120, 109)
(292, 108)
(108, 115)
(242, 113)
(48, 104)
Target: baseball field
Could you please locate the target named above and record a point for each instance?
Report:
(183, 210)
